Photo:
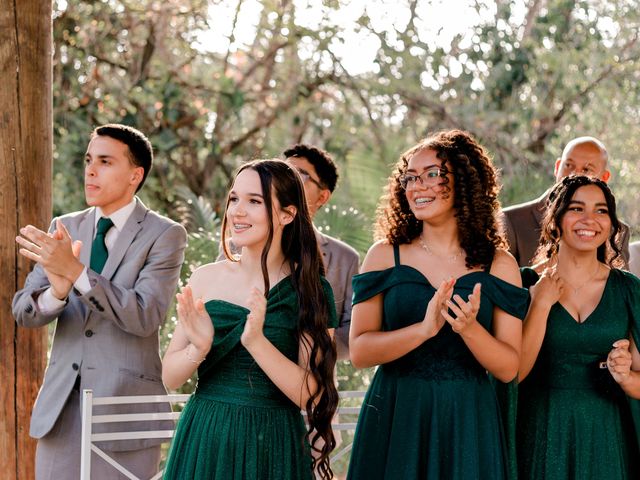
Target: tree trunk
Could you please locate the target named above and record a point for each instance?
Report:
(25, 197)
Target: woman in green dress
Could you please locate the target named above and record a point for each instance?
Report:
(437, 307)
(579, 356)
(258, 329)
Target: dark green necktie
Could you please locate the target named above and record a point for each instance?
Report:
(99, 251)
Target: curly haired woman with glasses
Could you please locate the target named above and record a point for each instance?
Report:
(438, 308)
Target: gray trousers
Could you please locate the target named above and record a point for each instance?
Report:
(58, 452)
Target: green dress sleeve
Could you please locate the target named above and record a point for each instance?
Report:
(632, 301)
(369, 284)
(513, 300)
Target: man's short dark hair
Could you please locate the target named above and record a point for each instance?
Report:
(140, 149)
(321, 161)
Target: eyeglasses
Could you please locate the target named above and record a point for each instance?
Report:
(431, 177)
(306, 176)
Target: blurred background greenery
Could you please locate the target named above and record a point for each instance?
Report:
(216, 83)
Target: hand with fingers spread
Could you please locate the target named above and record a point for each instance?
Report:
(464, 313)
(195, 321)
(619, 361)
(55, 252)
(433, 319)
(253, 328)
(548, 289)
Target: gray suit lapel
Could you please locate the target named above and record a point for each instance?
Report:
(124, 240)
(86, 229)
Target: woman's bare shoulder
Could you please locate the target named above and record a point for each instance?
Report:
(207, 279)
(379, 257)
(505, 267)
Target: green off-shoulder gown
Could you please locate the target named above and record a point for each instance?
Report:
(574, 421)
(431, 414)
(238, 424)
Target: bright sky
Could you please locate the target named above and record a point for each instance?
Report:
(441, 21)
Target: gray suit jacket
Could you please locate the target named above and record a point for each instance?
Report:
(634, 258)
(522, 226)
(341, 263)
(109, 336)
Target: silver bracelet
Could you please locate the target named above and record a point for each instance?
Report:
(190, 358)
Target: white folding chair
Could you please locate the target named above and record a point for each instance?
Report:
(89, 419)
(343, 425)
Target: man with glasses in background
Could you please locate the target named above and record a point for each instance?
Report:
(320, 176)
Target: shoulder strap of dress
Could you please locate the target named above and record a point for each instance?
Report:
(487, 268)
(396, 254)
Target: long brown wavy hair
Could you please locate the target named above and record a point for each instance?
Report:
(558, 204)
(475, 197)
(300, 249)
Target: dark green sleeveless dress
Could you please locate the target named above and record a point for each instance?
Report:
(431, 414)
(238, 424)
(574, 421)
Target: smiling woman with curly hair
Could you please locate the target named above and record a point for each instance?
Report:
(474, 190)
(438, 308)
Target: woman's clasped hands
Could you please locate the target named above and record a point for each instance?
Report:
(433, 319)
(446, 307)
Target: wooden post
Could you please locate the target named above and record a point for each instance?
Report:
(26, 134)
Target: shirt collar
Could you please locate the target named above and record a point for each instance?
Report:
(119, 217)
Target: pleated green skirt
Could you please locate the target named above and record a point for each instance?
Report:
(218, 440)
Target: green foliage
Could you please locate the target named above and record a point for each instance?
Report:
(525, 81)
(347, 224)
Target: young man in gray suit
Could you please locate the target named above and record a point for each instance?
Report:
(341, 262)
(581, 156)
(107, 274)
